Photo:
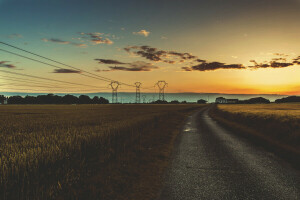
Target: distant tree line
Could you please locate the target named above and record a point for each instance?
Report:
(254, 100)
(289, 99)
(54, 99)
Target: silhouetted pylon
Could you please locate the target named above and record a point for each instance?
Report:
(138, 92)
(161, 87)
(114, 86)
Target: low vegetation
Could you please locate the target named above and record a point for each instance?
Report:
(86, 151)
(276, 126)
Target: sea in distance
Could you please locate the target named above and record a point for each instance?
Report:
(129, 97)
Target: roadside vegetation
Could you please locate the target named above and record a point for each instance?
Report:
(86, 151)
(275, 126)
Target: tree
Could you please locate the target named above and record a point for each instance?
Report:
(288, 99)
(84, 99)
(2, 99)
(201, 101)
(103, 100)
(174, 102)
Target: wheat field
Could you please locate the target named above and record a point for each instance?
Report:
(44, 148)
(277, 123)
(275, 110)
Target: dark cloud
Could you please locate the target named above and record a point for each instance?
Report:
(213, 66)
(137, 66)
(296, 61)
(66, 71)
(10, 66)
(272, 64)
(157, 55)
(97, 38)
(108, 61)
(201, 61)
(279, 62)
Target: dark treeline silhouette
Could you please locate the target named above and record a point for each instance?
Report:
(2, 99)
(289, 99)
(254, 100)
(201, 101)
(55, 99)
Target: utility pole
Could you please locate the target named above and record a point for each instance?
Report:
(114, 86)
(161, 87)
(138, 92)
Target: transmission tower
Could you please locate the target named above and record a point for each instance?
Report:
(138, 92)
(114, 86)
(161, 87)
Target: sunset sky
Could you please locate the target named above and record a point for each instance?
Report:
(217, 46)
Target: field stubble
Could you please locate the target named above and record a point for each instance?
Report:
(94, 151)
(276, 126)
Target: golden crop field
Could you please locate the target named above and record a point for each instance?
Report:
(44, 148)
(276, 124)
(278, 110)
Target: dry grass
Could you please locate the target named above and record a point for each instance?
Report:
(275, 126)
(67, 152)
(275, 110)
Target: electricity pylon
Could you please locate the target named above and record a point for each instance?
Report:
(114, 86)
(161, 87)
(138, 92)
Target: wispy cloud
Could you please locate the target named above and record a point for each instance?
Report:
(142, 32)
(158, 55)
(108, 61)
(213, 66)
(66, 71)
(97, 38)
(10, 66)
(15, 35)
(59, 41)
(137, 66)
(274, 63)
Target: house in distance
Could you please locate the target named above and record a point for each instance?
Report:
(224, 100)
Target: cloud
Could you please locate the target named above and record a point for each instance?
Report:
(157, 55)
(15, 35)
(163, 38)
(272, 64)
(97, 38)
(59, 41)
(137, 66)
(108, 61)
(213, 66)
(142, 32)
(3, 64)
(66, 71)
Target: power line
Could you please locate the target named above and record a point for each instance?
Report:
(77, 91)
(49, 79)
(79, 72)
(102, 77)
(7, 78)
